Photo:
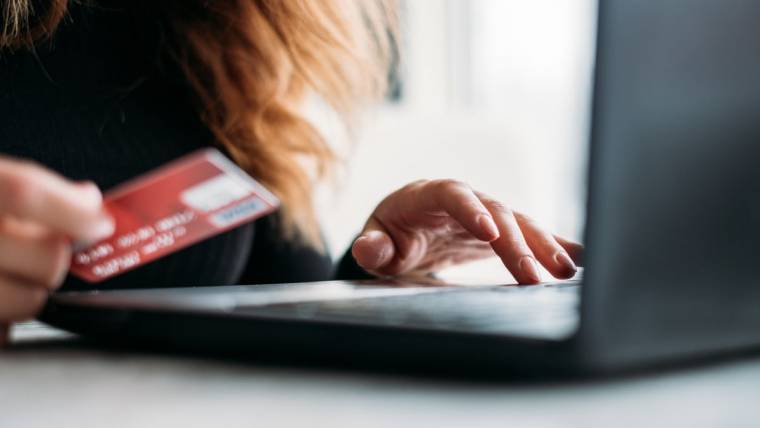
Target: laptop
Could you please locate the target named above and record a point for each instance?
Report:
(672, 237)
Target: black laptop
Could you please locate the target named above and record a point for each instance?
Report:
(672, 237)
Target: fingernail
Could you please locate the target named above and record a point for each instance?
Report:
(487, 225)
(369, 256)
(529, 267)
(565, 260)
(384, 257)
(103, 228)
(91, 189)
(380, 256)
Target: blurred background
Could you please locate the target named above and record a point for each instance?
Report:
(492, 92)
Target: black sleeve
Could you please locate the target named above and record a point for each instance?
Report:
(276, 260)
(347, 268)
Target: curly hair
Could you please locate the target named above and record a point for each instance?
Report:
(250, 65)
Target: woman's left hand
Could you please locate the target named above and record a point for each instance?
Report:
(429, 225)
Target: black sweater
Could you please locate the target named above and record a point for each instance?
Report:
(100, 102)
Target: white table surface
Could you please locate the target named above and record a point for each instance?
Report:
(49, 379)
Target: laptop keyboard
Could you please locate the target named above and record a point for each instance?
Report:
(542, 311)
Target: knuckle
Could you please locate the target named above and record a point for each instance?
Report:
(19, 192)
(519, 247)
(498, 206)
(473, 206)
(449, 184)
(405, 196)
(414, 185)
(526, 219)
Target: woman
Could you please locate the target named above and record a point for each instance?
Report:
(93, 94)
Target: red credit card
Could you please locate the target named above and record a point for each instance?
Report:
(187, 200)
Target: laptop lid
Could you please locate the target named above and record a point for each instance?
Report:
(674, 207)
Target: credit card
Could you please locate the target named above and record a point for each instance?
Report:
(179, 204)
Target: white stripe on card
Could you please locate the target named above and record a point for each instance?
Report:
(215, 193)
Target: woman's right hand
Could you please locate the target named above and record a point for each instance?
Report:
(41, 215)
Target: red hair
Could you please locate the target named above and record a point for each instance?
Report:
(250, 64)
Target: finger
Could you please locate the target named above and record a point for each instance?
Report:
(33, 193)
(27, 228)
(547, 250)
(19, 300)
(574, 249)
(374, 248)
(511, 246)
(477, 250)
(457, 200)
(43, 260)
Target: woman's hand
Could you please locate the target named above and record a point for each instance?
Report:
(428, 225)
(41, 214)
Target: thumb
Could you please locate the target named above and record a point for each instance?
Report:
(374, 248)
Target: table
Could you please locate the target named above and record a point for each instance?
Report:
(49, 378)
